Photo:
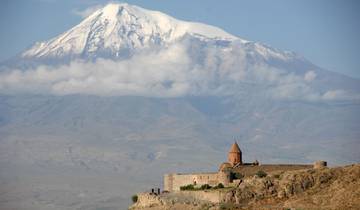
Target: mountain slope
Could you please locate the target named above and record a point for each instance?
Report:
(121, 27)
(117, 46)
(121, 30)
(129, 92)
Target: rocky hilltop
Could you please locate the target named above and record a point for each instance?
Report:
(323, 188)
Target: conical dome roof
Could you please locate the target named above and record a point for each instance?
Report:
(235, 148)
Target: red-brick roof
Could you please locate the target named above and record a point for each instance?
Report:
(235, 148)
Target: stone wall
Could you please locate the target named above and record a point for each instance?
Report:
(212, 196)
(173, 182)
(320, 164)
(150, 200)
(250, 170)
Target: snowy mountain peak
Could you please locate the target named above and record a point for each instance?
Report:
(119, 28)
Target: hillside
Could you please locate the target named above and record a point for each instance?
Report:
(327, 188)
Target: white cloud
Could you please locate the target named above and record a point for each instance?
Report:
(333, 94)
(340, 95)
(86, 12)
(160, 74)
(170, 72)
(310, 76)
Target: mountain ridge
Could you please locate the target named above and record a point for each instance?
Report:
(141, 26)
(123, 27)
(166, 107)
(126, 41)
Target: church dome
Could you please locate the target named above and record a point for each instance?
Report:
(235, 155)
(235, 148)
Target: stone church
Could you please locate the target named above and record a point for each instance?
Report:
(225, 174)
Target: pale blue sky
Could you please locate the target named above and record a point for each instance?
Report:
(324, 31)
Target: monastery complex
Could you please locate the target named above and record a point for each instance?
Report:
(229, 172)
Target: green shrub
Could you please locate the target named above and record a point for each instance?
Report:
(235, 175)
(238, 176)
(134, 198)
(261, 174)
(220, 185)
(277, 176)
(205, 187)
(187, 187)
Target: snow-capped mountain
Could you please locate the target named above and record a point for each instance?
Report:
(119, 29)
(125, 50)
(189, 58)
(130, 91)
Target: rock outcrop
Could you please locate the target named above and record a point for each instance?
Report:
(322, 188)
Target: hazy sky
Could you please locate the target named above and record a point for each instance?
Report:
(324, 31)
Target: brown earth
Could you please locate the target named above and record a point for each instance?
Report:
(327, 188)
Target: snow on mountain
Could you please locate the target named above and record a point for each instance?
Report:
(137, 92)
(118, 27)
(119, 45)
(117, 30)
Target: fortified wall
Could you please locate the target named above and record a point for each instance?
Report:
(248, 170)
(173, 181)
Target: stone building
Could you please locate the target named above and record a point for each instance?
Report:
(235, 155)
(173, 182)
(225, 174)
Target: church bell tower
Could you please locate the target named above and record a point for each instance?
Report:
(235, 155)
